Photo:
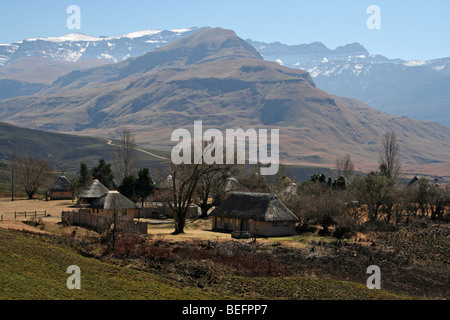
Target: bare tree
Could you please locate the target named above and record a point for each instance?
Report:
(33, 174)
(125, 156)
(184, 182)
(389, 156)
(11, 172)
(185, 178)
(212, 188)
(344, 166)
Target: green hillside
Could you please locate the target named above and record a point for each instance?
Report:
(34, 267)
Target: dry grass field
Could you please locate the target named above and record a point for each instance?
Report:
(195, 229)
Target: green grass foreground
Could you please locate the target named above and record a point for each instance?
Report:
(33, 267)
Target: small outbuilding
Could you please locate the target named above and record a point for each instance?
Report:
(262, 214)
(163, 189)
(61, 189)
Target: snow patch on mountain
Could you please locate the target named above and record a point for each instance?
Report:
(414, 63)
(75, 47)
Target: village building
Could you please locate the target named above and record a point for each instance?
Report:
(101, 212)
(61, 189)
(413, 181)
(163, 190)
(113, 201)
(262, 214)
(92, 192)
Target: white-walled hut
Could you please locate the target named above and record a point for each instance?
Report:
(262, 214)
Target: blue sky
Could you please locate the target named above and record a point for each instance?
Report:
(410, 29)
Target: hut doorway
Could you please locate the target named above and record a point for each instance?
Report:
(244, 225)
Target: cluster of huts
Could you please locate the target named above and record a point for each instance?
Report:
(261, 214)
(94, 196)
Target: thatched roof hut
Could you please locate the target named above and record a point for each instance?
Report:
(61, 189)
(61, 184)
(261, 213)
(112, 200)
(255, 206)
(93, 191)
(413, 181)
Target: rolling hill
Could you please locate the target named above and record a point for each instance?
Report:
(214, 76)
(64, 152)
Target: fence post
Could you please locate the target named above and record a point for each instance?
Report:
(14, 215)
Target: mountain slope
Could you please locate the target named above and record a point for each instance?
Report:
(203, 46)
(419, 91)
(216, 77)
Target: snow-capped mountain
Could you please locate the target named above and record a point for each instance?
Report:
(77, 47)
(417, 89)
(308, 56)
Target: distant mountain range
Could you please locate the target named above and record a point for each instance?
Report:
(76, 47)
(28, 66)
(214, 76)
(417, 89)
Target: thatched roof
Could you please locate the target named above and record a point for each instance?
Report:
(165, 184)
(413, 180)
(95, 190)
(254, 206)
(61, 184)
(232, 184)
(112, 200)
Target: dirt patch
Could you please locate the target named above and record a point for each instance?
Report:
(51, 208)
(21, 226)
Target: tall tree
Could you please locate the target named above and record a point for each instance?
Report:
(344, 166)
(85, 177)
(373, 190)
(185, 178)
(144, 185)
(128, 187)
(125, 156)
(33, 174)
(211, 188)
(74, 187)
(12, 172)
(103, 173)
(389, 156)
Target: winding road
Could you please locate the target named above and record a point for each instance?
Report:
(109, 142)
